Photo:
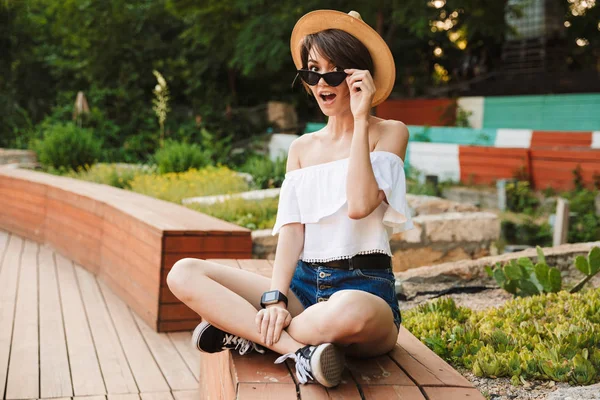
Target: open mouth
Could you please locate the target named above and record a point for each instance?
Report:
(328, 97)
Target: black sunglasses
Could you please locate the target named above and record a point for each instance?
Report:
(334, 78)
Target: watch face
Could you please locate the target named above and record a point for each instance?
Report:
(270, 296)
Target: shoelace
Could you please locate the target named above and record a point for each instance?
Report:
(303, 369)
(242, 345)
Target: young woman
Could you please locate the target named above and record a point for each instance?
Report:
(332, 290)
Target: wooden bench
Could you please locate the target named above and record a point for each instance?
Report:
(411, 371)
(128, 240)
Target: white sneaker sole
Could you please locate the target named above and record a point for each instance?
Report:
(195, 341)
(327, 364)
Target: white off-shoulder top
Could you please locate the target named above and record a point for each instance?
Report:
(316, 197)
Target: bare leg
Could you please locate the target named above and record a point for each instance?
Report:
(359, 320)
(228, 298)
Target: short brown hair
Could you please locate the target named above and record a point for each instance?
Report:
(339, 47)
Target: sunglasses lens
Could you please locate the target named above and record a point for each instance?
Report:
(335, 78)
(310, 77)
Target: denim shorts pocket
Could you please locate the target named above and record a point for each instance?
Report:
(382, 275)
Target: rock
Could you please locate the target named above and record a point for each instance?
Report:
(484, 197)
(591, 392)
(15, 156)
(461, 227)
(412, 235)
(283, 115)
(427, 205)
(446, 275)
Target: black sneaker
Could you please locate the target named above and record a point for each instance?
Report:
(209, 339)
(323, 363)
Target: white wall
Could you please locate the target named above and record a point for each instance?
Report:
(439, 159)
(475, 106)
(520, 138)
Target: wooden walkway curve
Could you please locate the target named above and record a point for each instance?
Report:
(65, 334)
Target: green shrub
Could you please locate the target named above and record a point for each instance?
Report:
(179, 157)
(585, 226)
(520, 197)
(66, 146)
(551, 336)
(251, 214)
(178, 186)
(109, 174)
(527, 232)
(266, 173)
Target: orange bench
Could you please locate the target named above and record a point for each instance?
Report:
(128, 240)
(411, 371)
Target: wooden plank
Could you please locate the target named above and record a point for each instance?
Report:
(346, 390)
(23, 370)
(117, 238)
(89, 398)
(144, 368)
(176, 312)
(392, 392)
(261, 267)
(3, 245)
(417, 371)
(55, 373)
(157, 396)
(421, 353)
(452, 393)
(215, 376)
(56, 398)
(266, 391)
(8, 289)
(175, 370)
(142, 282)
(113, 363)
(123, 397)
(186, 394)
(181, 341)
(377, 371)
(174, 326)
(220, 242)
(254, 367)
(145, 310)
(85, 369)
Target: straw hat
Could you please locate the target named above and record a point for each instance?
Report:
(384, 73)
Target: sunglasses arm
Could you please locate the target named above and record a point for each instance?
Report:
(294, 81)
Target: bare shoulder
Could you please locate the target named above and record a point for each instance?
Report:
(393, 138)
(297, 147)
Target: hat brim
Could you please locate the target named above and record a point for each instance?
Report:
(384, 74)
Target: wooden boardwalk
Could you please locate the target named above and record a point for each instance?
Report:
(65, 334)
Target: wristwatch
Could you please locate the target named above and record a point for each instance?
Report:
(272, 297)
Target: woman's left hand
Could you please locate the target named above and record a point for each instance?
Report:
(362, 89)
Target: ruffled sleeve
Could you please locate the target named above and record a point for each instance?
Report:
(288, 210)
(390, 176)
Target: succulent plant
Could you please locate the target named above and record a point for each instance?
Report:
(551, 336)
(589, 266)
(523, 278)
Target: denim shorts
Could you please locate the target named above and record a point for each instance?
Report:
(314, 283)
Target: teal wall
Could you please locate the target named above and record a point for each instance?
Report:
(566, 112)
(454, 135)
(313, 126)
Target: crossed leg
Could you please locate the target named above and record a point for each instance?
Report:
(229, 298)
(360, 321)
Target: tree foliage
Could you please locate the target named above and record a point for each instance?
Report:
(214, 54)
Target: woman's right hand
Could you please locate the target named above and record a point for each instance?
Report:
(271, 321)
